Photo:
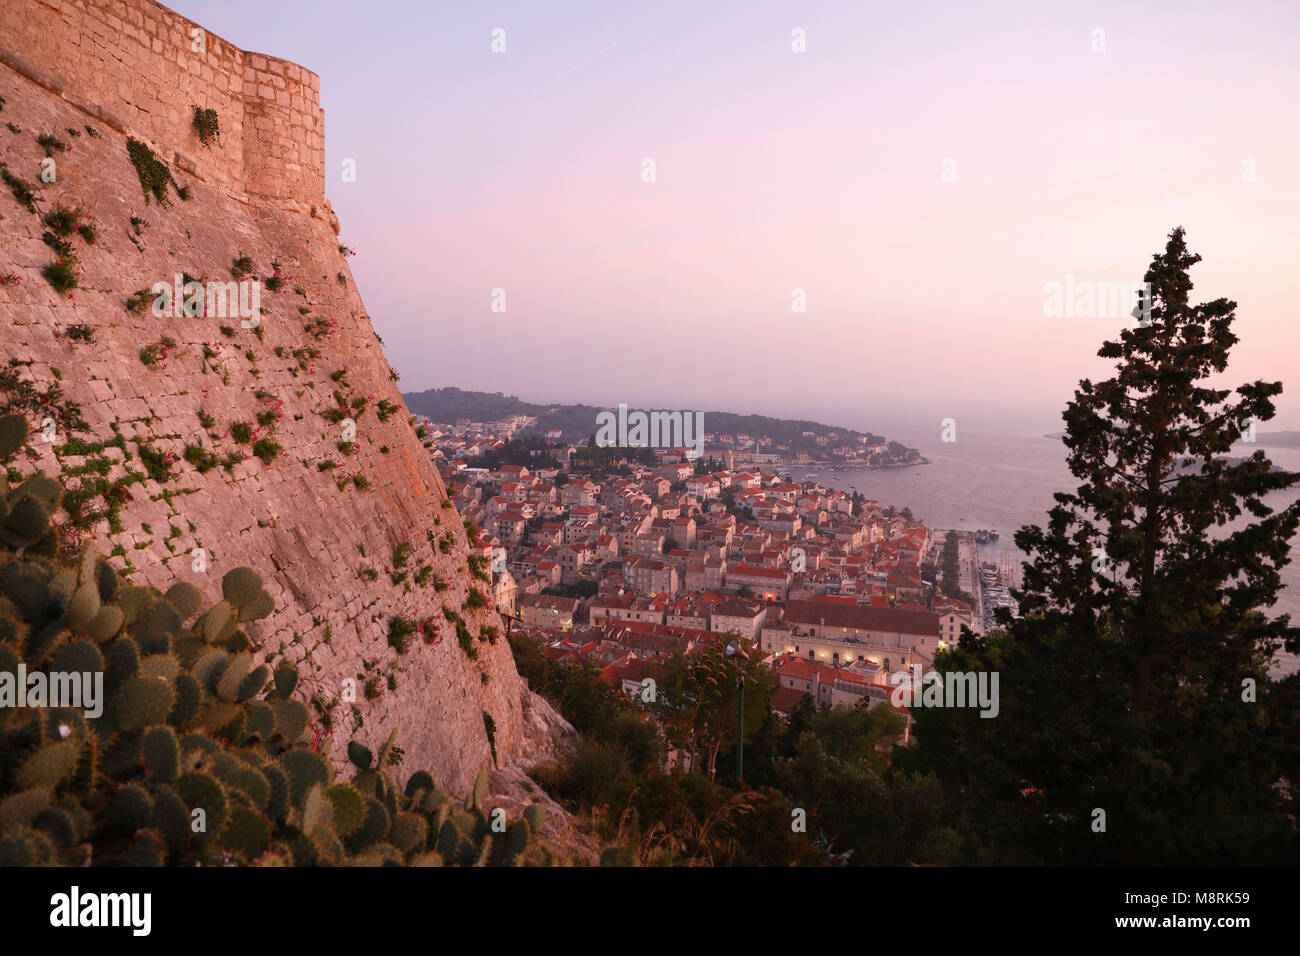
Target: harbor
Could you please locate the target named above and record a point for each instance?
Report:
(996, 583)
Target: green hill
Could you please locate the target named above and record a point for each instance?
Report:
(578, 422)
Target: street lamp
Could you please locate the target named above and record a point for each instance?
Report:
(737, 650)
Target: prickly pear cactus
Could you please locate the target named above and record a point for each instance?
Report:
(198, 753)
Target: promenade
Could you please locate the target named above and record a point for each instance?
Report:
(968, 576)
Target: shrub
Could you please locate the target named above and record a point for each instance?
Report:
(138, 301)
(267, 449)
(60, 275)
(590, 776)
(52, 144)
(156, 353)
(401, 554)
(474, 598)
(275, 281)
(241, 432)
(158, 464)
(62, 247)
(207, 126)
(400, 630)
(153, 174)
(201, 458)
(241, 266)
(62, 221)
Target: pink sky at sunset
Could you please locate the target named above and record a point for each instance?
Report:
(817, 170)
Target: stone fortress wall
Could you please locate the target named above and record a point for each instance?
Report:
(125, 68)
(145, 68)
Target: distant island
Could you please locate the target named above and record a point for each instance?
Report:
(756, 438)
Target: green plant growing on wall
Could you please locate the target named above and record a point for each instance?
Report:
(62, 221)
(207, 126)
(138, 302)
(202, 459)
(153, 173)
(52, 144)
(275, 281)
(23, 191)
(157, 464)
(463, 636)
(61, 275)
(267, 449)
(400, 631)
(155, 355)
(490, 726)
(475, 563)
(401, 554)
(62, 247)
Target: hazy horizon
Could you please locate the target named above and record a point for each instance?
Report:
(776, 170)
(1007, 422)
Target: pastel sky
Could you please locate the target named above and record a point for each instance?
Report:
(778, 170)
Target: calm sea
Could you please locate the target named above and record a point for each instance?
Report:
(1003, 481)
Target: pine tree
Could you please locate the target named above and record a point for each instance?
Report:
(1136, 682)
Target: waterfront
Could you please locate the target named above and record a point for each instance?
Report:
(1005, 480)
